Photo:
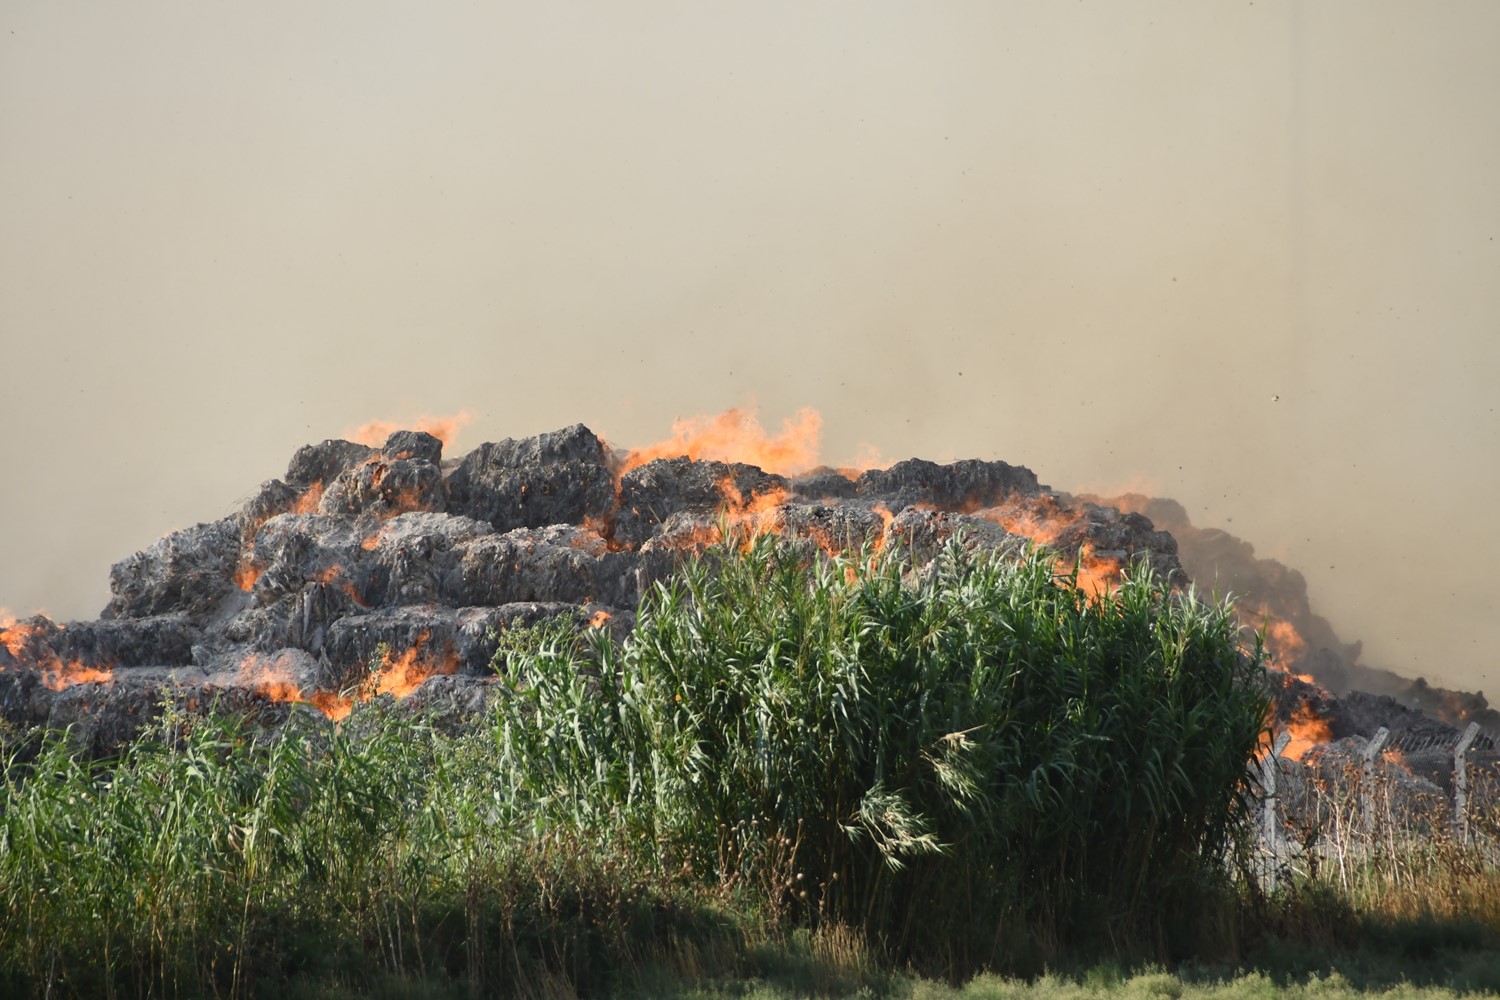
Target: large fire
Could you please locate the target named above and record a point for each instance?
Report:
(445, 429)
(1308, 730)
(737, 436)
(734, 436)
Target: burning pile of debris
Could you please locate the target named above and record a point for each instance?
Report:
(372, 572)
(390, 571)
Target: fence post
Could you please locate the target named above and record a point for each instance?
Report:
(1270, 818)
(1461, 783)
(1268, 770)
(1376, 744)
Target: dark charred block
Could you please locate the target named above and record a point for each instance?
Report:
(1360, 714)
(922, 533)
(655, 491)
(503, 569)
(832, 528)
(410, 558)
(1108, 528)
(418, 445)
(106, 716)
(323, 463)
(299, 621)
(188, 571)
(1132, 538)
(570, 444)
(453, 703)
(291, 550)
(274, 497)
(386, 488)
(960, 486)
(824, 484)
(163, 641)
(17, 688)
(561, 477)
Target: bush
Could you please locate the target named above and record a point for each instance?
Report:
(972, 762)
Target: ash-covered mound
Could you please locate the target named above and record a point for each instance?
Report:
(370, 572)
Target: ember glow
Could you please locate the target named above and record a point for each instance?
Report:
(334, 576)
(308, 502)
(247, 572)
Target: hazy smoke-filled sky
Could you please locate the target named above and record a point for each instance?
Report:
(1240, 254)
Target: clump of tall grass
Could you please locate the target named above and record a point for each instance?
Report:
(972, 762)
(210, 858)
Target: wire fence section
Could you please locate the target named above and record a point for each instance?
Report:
(1367, 799)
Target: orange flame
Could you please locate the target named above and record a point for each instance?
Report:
(397, 675)
(600, 619)
(1284, 644)
(1097, 575)
(247, 573)
(56, 672)
(445, 429)
(336, 706)
(401, 675)
(270, 679)
(737, 436)
(1042, 526)
(1308, 730)
(886, 517)
(15, 637)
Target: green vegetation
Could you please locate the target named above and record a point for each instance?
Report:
(798, 776)
(974, 766)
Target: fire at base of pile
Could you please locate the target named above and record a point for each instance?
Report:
(370, 573)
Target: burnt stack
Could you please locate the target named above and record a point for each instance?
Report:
(365, 554)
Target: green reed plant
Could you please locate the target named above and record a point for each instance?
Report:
(961, 761)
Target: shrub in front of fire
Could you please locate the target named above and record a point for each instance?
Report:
(972, 762)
